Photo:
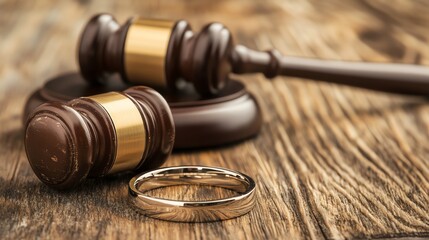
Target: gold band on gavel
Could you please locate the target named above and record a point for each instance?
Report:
(129, 127)
(146, 47)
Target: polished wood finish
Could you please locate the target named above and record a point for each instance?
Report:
(330, 162)
(206, 58)
(99, 135)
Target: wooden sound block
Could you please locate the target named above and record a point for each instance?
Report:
(231, 116)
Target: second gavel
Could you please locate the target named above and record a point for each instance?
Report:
(99, 135)
(168, 54)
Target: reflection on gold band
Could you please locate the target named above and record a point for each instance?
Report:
(145, 50)
(129, 127)
(192, 211)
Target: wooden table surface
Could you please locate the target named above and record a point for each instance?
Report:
(330, 161)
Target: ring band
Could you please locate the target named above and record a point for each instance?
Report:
(192, 211)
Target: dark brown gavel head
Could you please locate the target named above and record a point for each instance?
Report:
(156, 53)
(98, 135)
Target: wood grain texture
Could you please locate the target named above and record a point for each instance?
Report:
(330, 162)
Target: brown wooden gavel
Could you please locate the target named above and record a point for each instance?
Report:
(160, 53)
(99, 135)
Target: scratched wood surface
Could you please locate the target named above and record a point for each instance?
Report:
(330, 161)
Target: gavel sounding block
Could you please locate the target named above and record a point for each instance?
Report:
(228, 117)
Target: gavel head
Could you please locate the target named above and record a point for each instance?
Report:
(98, 135)
(156, 53)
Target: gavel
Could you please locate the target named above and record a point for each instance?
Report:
(168, 54)
(99, 135)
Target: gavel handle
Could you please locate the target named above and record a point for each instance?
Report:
(395, 78)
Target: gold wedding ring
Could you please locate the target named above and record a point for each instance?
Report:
(192, 211)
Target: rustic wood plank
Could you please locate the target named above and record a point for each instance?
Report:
(330, 162)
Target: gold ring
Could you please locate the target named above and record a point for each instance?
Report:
(192, 211)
